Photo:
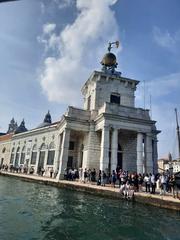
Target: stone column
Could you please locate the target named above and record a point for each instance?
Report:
(64, 153)
(104, 157)
(114, 148)
(90, 148)
(57, 154)
(45, 162)
(37, 161)
(155, 155)
(148, 154)
(140, 153)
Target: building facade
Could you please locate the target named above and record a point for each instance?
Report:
(108, 132)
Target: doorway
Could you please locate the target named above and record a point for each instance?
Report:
(119, 157)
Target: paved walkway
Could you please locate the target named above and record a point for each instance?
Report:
(166, 201)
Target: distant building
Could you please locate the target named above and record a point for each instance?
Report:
(167, 163)
(5, 147)
(108, 132)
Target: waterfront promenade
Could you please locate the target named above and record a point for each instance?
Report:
(163, 201)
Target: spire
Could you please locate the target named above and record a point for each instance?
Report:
(21, 128)
(169, 157)
(12, 126)
(47, 118)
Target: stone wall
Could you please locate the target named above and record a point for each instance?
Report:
(38, 137)
(128, 142)
(92, 149)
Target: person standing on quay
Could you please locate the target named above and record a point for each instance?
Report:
(147, 182)
(153, 183)
(99, 178)
(103, 178)
(114, 178)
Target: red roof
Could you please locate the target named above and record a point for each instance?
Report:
(6, 137)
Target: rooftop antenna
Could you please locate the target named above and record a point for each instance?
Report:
(178, 133)
(150, 105)
(144, 94)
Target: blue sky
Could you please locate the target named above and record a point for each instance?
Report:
(49, 48)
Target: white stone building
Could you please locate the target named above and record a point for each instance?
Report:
(108, 132)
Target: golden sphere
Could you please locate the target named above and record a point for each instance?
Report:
(109, 59)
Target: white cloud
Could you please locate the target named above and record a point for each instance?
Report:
(49, 28)
(166, 39)
(64, 3)
(49, 37)
(81, 46)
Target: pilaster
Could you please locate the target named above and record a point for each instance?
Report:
(114, 148)
(64, 152)
(148, 153)
(104, 157)
(37, 161)
(140, 153)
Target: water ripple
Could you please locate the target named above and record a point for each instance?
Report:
(33, 212)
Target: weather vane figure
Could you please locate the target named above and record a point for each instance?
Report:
(109, 62)
(116, 43)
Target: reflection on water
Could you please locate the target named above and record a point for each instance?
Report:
(34, 211)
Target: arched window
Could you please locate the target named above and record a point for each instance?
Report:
(34, 154)
(34, 147)
(51, 154)
(17, 157)
(23, 155)
(12, 156)
(43, 147)
(4, 149)
(52, 145)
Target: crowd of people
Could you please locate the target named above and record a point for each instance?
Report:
(29, 170)
(127, 182)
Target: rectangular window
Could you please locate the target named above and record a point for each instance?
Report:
(115, 98)
(33, 158)
(50, 160)
(71, 145)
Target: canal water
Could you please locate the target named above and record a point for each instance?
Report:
(32, 211)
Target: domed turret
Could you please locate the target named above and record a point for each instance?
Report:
(21, 128)
(12, 126)
(47, 120)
